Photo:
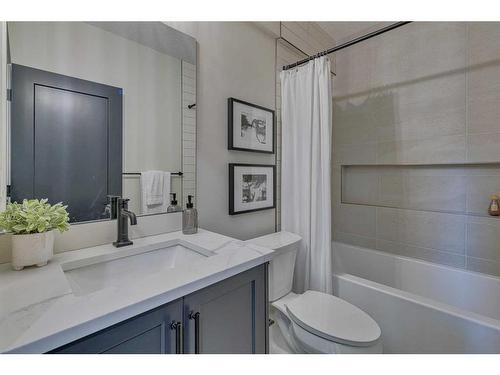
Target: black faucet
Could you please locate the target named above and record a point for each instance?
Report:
(122, 217)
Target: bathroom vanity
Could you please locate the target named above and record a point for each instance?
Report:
(227, 317)
(171, 293)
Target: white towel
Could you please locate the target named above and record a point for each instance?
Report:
(155, 191)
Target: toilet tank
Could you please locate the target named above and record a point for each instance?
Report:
(281, 267)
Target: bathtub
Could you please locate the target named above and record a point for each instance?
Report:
(420, 307)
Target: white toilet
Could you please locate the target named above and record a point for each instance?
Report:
(311, 322)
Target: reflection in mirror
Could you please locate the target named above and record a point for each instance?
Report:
(99, 110)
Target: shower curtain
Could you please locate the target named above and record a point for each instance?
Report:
(306, 94)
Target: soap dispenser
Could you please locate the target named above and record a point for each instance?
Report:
(190, 218)
(494, 209)
(174, 207)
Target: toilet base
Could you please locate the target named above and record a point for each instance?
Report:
(277, 343)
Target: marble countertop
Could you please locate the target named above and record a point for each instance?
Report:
(39, 311)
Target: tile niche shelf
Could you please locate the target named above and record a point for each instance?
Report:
(453, 188)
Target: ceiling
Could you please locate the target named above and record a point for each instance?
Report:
(344, 31)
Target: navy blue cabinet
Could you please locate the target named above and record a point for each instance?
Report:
(150, 333)
(227, 317)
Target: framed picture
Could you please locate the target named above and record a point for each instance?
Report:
(250, 127)
(251, 188)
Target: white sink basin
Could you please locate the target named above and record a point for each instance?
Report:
(125, 267)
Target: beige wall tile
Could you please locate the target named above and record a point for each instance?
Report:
(444, 232)
(354, 154)
(356, 120)
(410, 97)
(422, 49)
(483, 238)
(483, 147)
(444, 149)
(436, 193)
(437, 170)
(441, 189)
(430, 255)
(418, 110)
(424, 109)
(353, 70)
(360, 185)
(483, 42)
(425, 125)
(482, 99)
(483, 93)
(353, 219)
(400, 57)
(483, 266)
(479, 190)
(482, 169)
(392, 189)
(355, 240)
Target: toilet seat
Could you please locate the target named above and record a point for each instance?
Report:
(312, 322)
(332, 319)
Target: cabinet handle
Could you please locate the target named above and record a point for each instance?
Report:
(177, 326)
(196, 317)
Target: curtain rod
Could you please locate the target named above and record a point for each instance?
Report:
(348, 44)
(138, 173)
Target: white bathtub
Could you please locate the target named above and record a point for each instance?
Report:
(420, 307)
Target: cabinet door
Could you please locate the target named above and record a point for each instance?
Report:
(230, 316)
(153, 332)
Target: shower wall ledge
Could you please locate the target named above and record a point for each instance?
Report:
(453, 188)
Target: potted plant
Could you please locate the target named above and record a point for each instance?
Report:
(32, 224)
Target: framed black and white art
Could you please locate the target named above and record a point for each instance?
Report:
(251, 187)
(250, 127)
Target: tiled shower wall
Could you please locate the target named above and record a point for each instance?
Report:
(426, 93)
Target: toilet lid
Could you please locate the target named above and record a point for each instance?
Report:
(333, 319)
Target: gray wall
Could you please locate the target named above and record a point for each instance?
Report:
(426, 93)
(235, 59)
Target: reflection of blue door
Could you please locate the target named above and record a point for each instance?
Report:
(66, 141)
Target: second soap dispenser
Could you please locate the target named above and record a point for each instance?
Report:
(190, 218)
(174, 207)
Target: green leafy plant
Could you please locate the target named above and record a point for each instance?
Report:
(34, 216)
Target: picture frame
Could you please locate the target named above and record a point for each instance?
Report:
(252, 187)
(250, 127)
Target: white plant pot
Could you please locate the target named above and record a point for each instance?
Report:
(32, 249)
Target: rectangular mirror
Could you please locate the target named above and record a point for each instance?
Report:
(100, 109)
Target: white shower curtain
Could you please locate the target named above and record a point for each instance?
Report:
(306, 94)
